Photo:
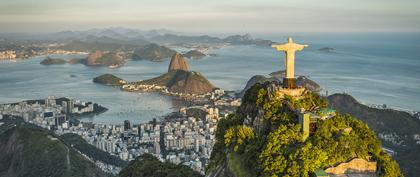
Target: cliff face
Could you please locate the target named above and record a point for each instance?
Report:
(189, 82)
(30, 152)
(178, 63)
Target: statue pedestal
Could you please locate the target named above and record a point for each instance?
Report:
(289, 83)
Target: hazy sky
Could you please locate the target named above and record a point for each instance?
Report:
(216, 16)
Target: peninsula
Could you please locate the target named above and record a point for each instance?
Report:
(178, 81)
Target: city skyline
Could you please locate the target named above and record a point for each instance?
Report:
(213, 16)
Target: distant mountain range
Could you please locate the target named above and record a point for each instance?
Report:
(129, 37)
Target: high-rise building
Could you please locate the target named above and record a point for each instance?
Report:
(70, 106)
(64, 107)
(50, 101)
(127, 125)
(60, 119)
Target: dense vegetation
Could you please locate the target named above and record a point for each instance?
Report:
(147, 165)
(271, 143)
(91, 151)
(386, 121)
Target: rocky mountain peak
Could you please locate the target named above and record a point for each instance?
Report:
(178, 62)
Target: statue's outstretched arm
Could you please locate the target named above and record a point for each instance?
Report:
(280, 47)
(300, 47)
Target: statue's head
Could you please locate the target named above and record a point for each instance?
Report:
(290, 40)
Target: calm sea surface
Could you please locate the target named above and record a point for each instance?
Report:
(374, 68)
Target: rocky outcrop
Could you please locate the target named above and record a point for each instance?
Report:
(356, 165)
(178, 63)
(152, 52)
(194, 54)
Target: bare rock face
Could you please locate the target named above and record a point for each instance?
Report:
(178, 62)
(190, 82)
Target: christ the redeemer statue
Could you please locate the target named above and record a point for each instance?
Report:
(289, 49)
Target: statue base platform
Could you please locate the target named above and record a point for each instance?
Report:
(295, 92)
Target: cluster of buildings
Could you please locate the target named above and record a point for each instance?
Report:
(189, 140)
(135, 87)
(143, 87)
(187, 137)
(7, 55)
(182, 140)
(51, 113)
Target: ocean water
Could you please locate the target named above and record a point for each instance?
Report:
(374, 68)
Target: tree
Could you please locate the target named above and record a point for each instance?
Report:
(280, 144)
(238, 135)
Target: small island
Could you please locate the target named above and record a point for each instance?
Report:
(96, 58)
(327, 49)
(53, 61)
(109, 79)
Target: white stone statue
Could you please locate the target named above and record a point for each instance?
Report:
(289, 49)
